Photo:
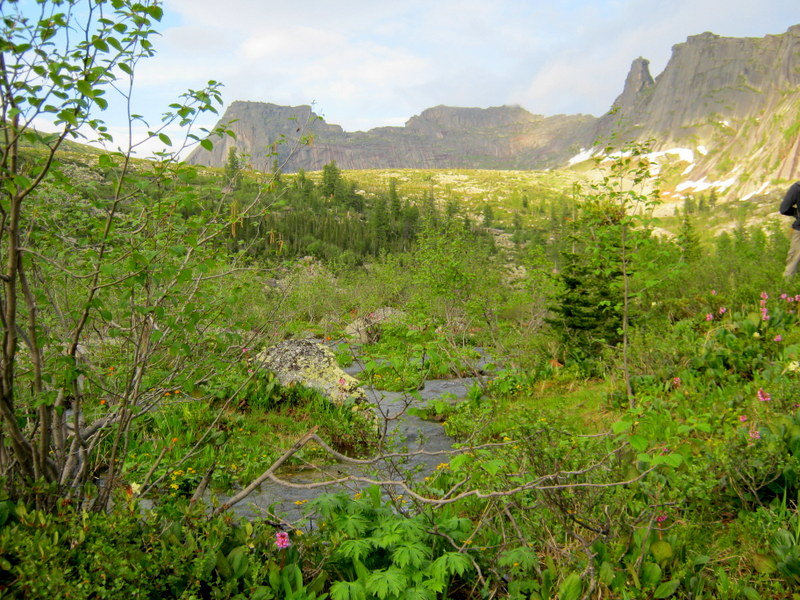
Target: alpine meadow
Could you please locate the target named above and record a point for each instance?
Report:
(485, 355)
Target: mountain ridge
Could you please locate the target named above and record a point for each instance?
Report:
(735, 102)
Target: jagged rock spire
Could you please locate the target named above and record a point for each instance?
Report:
(638, 80)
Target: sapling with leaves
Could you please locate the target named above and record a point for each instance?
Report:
(613, 224)
(101, 322)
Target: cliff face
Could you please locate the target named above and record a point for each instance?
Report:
(498, 137)
(735, 101)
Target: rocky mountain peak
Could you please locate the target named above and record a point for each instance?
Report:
(638, 80)
(448, 118)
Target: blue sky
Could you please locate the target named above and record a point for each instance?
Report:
(366, 63)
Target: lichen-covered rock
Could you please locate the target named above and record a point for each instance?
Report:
(367, 329)
(314, 366)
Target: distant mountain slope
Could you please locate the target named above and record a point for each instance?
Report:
(734, 102)
(499, 137)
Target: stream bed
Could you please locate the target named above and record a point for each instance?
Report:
(406, 432)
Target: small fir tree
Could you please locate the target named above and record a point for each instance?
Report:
(232, 176)
(688, 240)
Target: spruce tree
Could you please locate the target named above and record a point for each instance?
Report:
(488, 215)
(233, 171)
(330, 178)
(394, 200)
(688, 240)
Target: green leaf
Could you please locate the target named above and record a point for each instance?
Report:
(651, 574)
(638, 442)
(386, 583)
(348, 590)
(752, 594)
(493, 467)
(100, 44)
(570, 588)
(764, 564)
(412, 555)
(207, 144)
(666, 589)
(450, 563)
(84, 87)
(165, 139)
(155, 12)
(662, 550)
(262, 593)
(606, 574)
(356, 549)
(621, 426)
(238, 559)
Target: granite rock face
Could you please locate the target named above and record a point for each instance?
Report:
(737, 100)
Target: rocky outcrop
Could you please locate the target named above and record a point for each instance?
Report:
(313, 365)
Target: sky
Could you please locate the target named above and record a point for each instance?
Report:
(368, 63)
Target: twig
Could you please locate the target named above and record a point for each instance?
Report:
(268, 474)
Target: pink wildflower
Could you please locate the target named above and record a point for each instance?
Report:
(778, 338)
(713, 292)
(722, 310)
(676, 382)
(754, 434)
(783, 296)
(743, 418)
(342, 382)
(763, 396)
(764, 296)
(797, 298)
(709, 317)
(661, 518)
(282, 540)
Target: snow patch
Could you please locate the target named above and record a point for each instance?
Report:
(684, 154)
(688, 169)
(581, 156)
(758, 191)
(702, 150)
(703, 185)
